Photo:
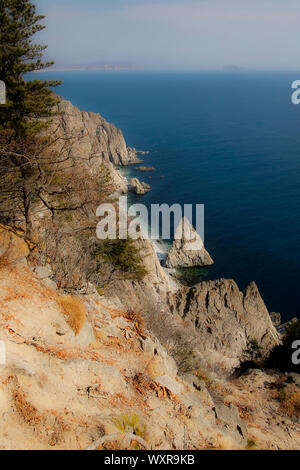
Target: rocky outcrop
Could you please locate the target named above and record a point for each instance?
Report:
(145, 168)
(87, 138)
(231, 326)
(93, 135)
(188, 248)
(139, 187)
(133, 155)
(150, 294)
(14, 250)
(62, 389)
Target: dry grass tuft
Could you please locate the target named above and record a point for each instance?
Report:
(137, 318)
(28, 412)
(4, 262)
(226, 443)
(75, 312)
(289, 398)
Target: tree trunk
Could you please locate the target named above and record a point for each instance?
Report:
(27, 204)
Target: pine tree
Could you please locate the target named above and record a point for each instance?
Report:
(27, 101)
(27, 110)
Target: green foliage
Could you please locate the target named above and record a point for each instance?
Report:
(27, 101)
(282, 396)
(250, 444)
(100, 291)
(191, 276)
(68, 218)
(202, 376)
(130, 423)
(124, 256)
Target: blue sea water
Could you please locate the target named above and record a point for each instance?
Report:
(230, 141)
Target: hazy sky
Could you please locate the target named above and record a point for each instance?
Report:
(174, 34)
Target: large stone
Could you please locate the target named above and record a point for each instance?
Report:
(161, 366)
(43, 272)
(95, 142)
(139, 187)
(13, 248)
(188, 248)
(231, 421)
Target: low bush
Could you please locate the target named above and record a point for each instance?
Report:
(137, 318)
(124, 257)
(251, 444)
(289, 398)
(130, 423)
(74, 311)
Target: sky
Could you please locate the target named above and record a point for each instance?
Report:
(180, 35)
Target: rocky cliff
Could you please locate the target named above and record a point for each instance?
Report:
(93, 135)
(82, 373)
(90, 138)
(236, 320)
(230, 326)
(146, 358)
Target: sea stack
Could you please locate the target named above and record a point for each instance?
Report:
(188, 248)
(139, 187)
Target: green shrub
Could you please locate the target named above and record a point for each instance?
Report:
(124, 256)
(183, 351)
(130, 423)
(68, 217)
(250, 444)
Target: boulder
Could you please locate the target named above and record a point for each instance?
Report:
(43, 272)
(133, 155)
(139, 187)
(13, 248)
(188, 248)
(145, 168)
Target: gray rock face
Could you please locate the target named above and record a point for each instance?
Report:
(231, 326)
(93, 140)
(230, 420)
(97, 137)
(43, 272)
(133, 155)
(188, 248)
(139, 187)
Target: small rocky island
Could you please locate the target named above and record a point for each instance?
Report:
(146, 168)
(138, 187)
(188, 248)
